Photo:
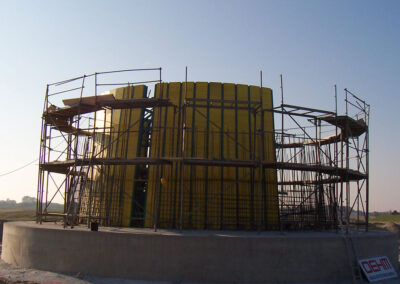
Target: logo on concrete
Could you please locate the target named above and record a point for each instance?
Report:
(377, 268)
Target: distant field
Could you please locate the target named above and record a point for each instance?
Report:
(17, 214)
(385, 218)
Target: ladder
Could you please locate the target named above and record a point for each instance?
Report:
(79, 182)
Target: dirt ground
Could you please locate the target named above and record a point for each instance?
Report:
(17, 214)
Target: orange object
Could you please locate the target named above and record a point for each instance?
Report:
(164, 181)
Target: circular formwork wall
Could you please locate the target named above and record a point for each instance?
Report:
(217, 187)
(190, 256)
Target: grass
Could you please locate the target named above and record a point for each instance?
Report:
(385, 218)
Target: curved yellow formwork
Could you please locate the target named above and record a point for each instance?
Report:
(207, 122)
(113, 185)
(221, 122)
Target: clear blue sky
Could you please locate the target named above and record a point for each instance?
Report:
(315, 44)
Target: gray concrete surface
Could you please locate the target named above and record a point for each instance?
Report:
(1, 229)
(191, 256)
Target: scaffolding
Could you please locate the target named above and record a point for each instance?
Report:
(315, 181)
(323, 165)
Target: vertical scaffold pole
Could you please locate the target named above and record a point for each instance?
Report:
(183, 153)
(261, 158)
(347, 168)
(91, 169)
(366, 109)
(158, 178)
(282, 136)
(39, 201)
(336, 164)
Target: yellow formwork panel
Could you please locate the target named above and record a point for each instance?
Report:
(245, 150)
(112, 196)
(270, 174)
(221, 122)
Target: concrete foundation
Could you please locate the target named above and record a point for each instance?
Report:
(190, 256)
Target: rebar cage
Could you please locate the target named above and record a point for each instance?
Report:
(198, 155)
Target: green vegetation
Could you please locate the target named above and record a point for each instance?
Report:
(386, 218)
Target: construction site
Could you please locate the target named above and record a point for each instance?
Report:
(199, 155)
(207, 159)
